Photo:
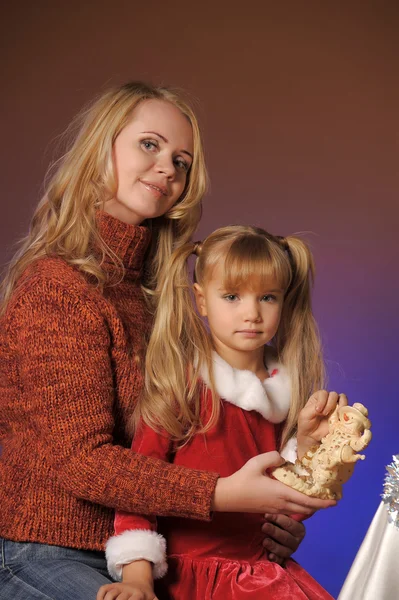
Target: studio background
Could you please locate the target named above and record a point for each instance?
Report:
(299, 106)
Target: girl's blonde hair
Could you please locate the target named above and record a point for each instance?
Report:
(180, 347)
(84, 178)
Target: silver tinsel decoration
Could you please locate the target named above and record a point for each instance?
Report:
(390, 496)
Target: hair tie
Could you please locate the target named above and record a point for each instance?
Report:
(197, 249)
(283, 242)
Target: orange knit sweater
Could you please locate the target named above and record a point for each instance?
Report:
(68, 383)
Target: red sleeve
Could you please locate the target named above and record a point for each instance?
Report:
(148, 443)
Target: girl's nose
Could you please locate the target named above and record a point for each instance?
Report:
(252, 312)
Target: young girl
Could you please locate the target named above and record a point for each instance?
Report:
(72, 319)
(215, 401)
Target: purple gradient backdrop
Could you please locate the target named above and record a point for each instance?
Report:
(299, 111)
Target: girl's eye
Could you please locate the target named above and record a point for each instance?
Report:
(182, 164)
(150, 145)
(268, 298)
(230, 297)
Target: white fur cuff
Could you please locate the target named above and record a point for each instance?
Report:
(290, 450)
(132, 545)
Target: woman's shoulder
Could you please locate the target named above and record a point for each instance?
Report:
(50, 268)
(51, 279)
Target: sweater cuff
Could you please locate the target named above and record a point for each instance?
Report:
(141, 544)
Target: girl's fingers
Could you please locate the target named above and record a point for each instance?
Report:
(299, 509)
(315, 405)
(305, 504)
(320, 400)
(265, 461)
(331, 403)
(333, 400)
(101, 594)
(114, 591)
(324, 403)
(293, 507)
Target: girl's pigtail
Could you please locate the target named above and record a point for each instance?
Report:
(298, 342)
(175, 354)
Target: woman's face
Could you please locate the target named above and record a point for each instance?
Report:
(152, 156)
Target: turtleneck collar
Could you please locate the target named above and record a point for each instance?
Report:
(129, 242)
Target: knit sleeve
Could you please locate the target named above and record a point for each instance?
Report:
(154, 444)
(67, 388)
(136, 536)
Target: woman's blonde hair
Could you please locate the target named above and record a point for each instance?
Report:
(84, 178)
(180, 347)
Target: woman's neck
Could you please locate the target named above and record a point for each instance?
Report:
(128, 242)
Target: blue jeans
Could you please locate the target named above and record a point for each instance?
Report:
(30, 571)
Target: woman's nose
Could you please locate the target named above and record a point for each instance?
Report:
(166, 165)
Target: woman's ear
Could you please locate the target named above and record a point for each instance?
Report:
(200, 300)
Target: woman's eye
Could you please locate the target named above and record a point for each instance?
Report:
(182, 165)
(149, 145)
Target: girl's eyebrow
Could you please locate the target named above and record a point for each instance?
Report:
(166, 141)
(276, 291)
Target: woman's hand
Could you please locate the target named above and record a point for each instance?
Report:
(313, 418)
(283, 536)
(126, 591)
(251, 490)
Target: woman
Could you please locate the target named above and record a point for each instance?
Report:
(74, 317)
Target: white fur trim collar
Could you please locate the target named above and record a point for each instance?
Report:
(271, 398)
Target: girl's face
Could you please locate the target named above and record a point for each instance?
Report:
(240, 321)
(152, 156)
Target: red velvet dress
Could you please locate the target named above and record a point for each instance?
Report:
(223, 559)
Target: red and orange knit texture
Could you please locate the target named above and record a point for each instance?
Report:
(68, 384)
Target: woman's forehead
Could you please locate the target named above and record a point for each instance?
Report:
(165, 119)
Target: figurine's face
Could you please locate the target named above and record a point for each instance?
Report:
(351, 421)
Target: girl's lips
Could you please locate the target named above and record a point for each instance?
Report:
(249, 332)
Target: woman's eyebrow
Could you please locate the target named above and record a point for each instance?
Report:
(167, 141)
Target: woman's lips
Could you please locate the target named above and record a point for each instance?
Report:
(154, 189)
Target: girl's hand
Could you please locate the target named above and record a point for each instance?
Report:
(251, 490)
(126, 591)
(313, 418)
(283, 536)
